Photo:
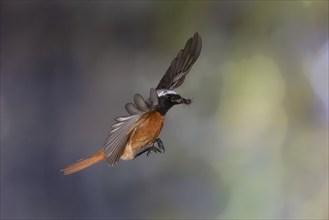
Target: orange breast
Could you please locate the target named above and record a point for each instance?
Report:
(147, 130)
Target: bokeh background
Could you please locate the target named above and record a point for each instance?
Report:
(254, 144)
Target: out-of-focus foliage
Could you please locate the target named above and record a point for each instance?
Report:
(254, 143)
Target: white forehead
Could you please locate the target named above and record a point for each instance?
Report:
(162, 92)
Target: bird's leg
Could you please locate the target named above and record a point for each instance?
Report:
(153, 148)
(148, 150)
(160, 145)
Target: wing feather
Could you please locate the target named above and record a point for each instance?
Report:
(154, 97)
(116, 141)
(181, 64)
(132, 109)
(140, 103)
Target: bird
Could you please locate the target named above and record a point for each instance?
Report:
(138, 132)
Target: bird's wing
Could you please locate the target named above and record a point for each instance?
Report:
(118, 136)
(181, 65)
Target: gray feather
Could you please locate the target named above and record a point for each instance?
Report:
(154, 97)
(132, 109)
(140, 103)
(116, 141)
(181, 64)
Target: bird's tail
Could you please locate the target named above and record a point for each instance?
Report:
(84, 163)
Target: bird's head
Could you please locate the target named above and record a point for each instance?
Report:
(169, 98)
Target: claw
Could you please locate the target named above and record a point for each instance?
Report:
(153, 148)
(160, 145)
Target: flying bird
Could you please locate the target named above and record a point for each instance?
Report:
(138, 132)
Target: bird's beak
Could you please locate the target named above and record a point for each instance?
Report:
(181, 100)
(186, 101)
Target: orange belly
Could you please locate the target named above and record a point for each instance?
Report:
(145, 133)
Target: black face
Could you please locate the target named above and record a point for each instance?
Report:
(169, 100)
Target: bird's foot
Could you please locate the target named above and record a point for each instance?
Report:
(159, 149)
(154, 149)
(160, 145)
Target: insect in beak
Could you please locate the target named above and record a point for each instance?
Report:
(186, 101)
(181, 100)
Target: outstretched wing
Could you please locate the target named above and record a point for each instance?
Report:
(181, 65)
(116, 141)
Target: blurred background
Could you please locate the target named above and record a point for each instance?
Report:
(254, 144)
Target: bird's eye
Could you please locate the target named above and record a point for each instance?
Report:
(169, 96)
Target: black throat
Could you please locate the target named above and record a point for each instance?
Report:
(163, 109)
(164, 105)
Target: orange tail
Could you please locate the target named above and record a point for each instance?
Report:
(84, 163)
